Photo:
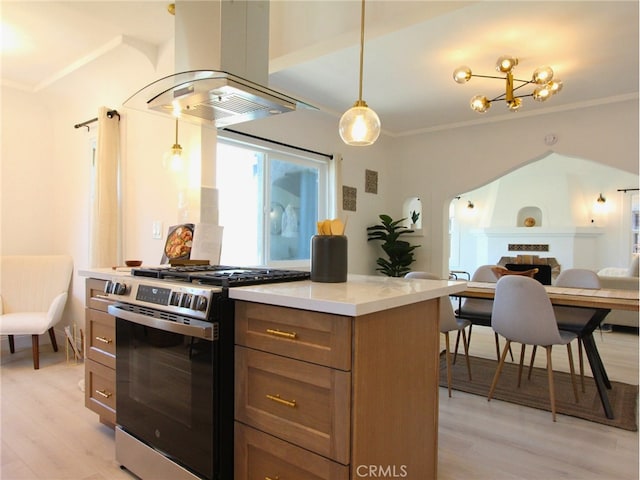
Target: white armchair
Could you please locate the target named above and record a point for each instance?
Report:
(33, 294)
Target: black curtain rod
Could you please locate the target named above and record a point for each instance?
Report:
(110, 114)
(625, 190)
(328, 155)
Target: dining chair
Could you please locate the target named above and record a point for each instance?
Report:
(478, 310)
(448, 322)
(574, 319)
(522, 313)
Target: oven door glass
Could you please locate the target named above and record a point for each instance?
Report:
(165, 384)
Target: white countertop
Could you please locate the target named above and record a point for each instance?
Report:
(105, 273)
(360, 295)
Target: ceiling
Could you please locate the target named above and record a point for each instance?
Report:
(411, 50)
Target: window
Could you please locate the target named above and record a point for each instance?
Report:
(269, 202)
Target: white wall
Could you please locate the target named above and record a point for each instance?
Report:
(438, 166)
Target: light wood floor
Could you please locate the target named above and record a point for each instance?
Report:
(47, 434)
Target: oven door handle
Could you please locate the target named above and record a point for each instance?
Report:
(195, 328)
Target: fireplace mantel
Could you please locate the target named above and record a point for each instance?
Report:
(512, 232)
(572, 246)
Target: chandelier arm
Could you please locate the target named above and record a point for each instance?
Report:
(525, 82)
(523, 96)
(487, 76)
(361, 52)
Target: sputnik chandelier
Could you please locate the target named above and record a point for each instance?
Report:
(542, 78)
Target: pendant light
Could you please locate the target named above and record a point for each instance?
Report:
(360, 126)
(173, 158)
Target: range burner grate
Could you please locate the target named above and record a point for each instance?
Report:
(221, 275)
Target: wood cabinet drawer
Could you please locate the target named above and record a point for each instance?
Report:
(260, 456)
(100, 390)
(314, 337)
(95, 296)
(303, 403)
(101, 337)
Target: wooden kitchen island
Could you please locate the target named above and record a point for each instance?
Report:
(338, 380)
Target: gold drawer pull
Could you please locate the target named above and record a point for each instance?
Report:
(272, 478)
(104, 393)
(280, 333)
(276, 398)
(104, 340)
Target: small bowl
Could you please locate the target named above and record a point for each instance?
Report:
(133, 263)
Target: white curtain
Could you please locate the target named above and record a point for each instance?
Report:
(105, 229)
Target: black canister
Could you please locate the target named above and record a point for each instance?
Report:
(329, 258)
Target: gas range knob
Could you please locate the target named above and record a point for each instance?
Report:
(119, 288)
(185, 300)
(201, 303)
(174, 299)
(108, 287)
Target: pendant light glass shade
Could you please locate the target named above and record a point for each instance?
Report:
(359, 126)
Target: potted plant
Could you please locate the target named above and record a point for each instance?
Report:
(399, 252)
(414, 218)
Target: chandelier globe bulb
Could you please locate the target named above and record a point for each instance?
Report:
(480, 103)
(555, 86)
(542, 75)
(462, 74)
(506, 63)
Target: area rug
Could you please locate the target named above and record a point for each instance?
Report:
(535, 392)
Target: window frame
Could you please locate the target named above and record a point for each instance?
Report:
(326, 187)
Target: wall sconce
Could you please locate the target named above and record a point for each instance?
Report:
(600, 206)
(542, 78)
(470, 205)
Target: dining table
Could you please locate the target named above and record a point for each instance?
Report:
(601, 301)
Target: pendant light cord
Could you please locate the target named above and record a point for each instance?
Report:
(176, 131)
(361, 52)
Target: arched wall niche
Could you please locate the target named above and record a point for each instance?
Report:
(529, 217)
(412, 210)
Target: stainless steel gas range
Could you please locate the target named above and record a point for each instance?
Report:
(175, 368)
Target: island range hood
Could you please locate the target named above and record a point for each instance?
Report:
(222, 56)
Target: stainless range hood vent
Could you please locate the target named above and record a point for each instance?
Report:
(218, 37)
(212, 97)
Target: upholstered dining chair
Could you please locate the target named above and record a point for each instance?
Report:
(522, 313)
(448, 322)
(33, 295)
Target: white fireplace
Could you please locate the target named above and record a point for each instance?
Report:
(571, 246)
